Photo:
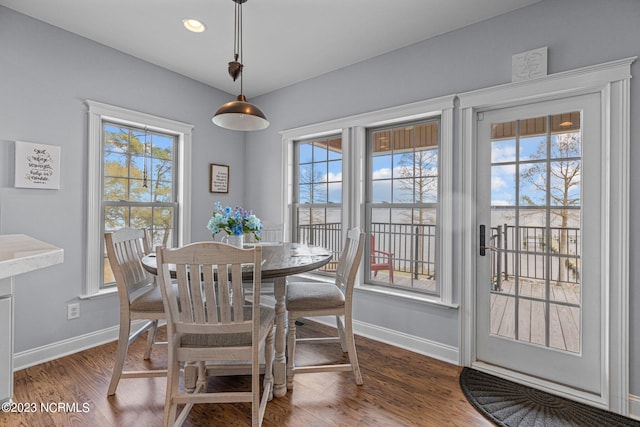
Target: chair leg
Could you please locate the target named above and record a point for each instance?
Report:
(121, 355)
(353, 355)
(173, 376)
(291, 349)
(151, 339)
(268, 363)
(341, 334)
(190, 376)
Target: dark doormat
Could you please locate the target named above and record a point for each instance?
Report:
(506, 403)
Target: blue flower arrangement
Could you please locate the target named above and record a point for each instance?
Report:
(236, 221)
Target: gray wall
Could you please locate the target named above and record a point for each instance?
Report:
(46, 74)
(577, 32)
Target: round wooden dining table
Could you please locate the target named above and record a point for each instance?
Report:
(279, 261)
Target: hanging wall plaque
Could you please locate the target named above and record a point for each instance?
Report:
(37, 166)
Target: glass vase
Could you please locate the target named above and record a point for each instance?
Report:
(237, 241)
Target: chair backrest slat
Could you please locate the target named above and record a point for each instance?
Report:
(237, 295)
(210, 294)
(198, 301)
(224, 294)
(186, 313)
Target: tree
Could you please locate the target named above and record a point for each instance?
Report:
(312, 188)
(564, 176)
(124, 180)
(418, 172)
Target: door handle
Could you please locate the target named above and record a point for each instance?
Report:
(483, 238)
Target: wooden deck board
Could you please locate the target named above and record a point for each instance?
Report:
(564, 321)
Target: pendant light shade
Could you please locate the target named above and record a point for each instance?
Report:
(239, 114)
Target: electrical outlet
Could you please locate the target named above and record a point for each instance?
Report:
(73, 311)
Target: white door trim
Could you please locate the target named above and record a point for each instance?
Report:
(612, 81)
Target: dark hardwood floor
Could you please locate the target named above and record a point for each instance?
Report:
(401, 388)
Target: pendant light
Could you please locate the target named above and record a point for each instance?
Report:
(239, 114)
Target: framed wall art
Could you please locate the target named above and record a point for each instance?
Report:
(218, 178)
(37, 166)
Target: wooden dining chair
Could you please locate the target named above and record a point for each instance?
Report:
(208, 321)
(139, 299)
(308, 299)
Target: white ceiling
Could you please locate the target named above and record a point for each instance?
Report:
(285, 41)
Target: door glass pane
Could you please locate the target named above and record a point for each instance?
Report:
(535, 230)
(502, 316)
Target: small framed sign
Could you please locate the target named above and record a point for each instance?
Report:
(218, 178)
(37, 166)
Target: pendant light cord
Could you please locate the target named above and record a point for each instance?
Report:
(237, 39)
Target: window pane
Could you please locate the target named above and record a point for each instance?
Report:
(320, 172)
(320, 193)
(503, 151)
(115, 164)
(161, 169)
(381, 191)
(335, 149)
(533, 177)
(138, 169)
(335, 192)
(403, 190)
(141, 217)
(426, 163)
(115, 189)
(537, 261)
(138, 192)
(381, 167)
(335, 171)
(503, 185)
(162, 191)
(304, 194)
(320, 151)
(403, 242)
(319, 183)
(305, 152)
(565, 145)
(533, 148)
(115, 217)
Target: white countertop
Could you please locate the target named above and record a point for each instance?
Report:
(20, 253)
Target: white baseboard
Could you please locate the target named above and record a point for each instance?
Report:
(418, 345)
(634, 406)
(35, 356)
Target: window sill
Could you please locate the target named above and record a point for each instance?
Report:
(380, 290)
(101, 293)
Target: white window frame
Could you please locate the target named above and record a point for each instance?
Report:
(353, 129)
(99, 112)
(612, 82)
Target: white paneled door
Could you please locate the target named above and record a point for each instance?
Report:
(539, 306)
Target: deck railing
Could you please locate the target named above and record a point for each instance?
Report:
(412, 245)
(414, 249)
(536, 259)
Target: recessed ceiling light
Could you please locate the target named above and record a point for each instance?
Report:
(194, 25)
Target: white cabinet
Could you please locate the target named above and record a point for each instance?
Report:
(18, 254)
